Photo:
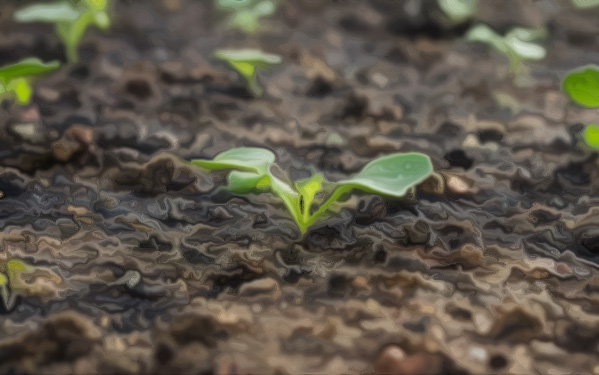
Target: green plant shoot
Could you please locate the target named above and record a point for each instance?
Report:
(582, 86)
(458, 10)
(309, 200)
(584, 4)
(245, 14)
(15, 79)
(10, 278)
(247, 62)
(71, 19)
(518, 44)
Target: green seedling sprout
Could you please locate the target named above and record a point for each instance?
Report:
(458, 10)
(15, 79)
(582, 86)
(247, 62)
(245, 14)
(71, 19)
(310, 199)
(518, 44)
(10, 279)
(584, 4)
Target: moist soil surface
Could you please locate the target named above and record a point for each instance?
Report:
(136, 262)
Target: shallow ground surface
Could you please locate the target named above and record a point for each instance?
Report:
(136, 265)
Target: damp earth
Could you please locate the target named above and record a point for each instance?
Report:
(129, 260)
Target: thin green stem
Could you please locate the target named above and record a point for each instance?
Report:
(339, 191)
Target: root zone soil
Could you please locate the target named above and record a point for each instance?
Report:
(135, 262)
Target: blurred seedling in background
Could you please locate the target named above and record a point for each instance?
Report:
(15, 79)
(71, 19)
(247, 62)
(245, 15)
(582, 86)
(458, 10)
(10, 279)
(584, 4)
(308, 200)
(518, 44)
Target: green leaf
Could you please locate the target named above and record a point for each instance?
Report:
(248, 19)
(392, 175)
(232, 4)
(243, 181)
(27, 67)
(591, 135)
(250, 56)
(518, 43)
(22, 90)
(63, 11)
(458, 10)
(521, 42)
(246, 62)
(251, 159)
(582, 86)
(96, 5)
(583, 4)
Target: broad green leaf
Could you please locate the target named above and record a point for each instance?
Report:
(253, 57)
(245, 62)
(244, 181)
(518, 43)
(591, 135)
(27, 67)
(251, 159)
(248, 19)
(521, 42)
(392, 175)
(63, 11)
(3, 279)
(582, 86)
(458, 10)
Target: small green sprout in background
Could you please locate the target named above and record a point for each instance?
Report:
(390, 175)
(15, 79)
(518, 44)
(10, 279)
(582, 86)
(584, 4)
(245, 14)
(71, 19)
(458, 10)
(247, 62)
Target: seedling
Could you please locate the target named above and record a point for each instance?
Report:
(15, 79)
(245, 14)
(584, 4)
(247, 62)
(582, 86)
(458, 10)
(71, 19)
(10, 279)
(306, 200)
(518, 44)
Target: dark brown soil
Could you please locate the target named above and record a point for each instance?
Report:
(137, 263)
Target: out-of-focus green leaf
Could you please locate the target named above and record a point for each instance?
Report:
(582, 86)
